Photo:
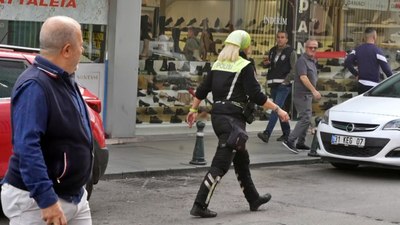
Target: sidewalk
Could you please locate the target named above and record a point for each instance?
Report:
(169, 150)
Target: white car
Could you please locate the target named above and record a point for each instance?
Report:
(364, 129)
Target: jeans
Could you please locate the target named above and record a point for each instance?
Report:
(279, 95)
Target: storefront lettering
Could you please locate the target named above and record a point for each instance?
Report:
(45, 3)
(88, 77)
(275, 20)
(304, 5)
(355, 3)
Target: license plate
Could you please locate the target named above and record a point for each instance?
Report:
(347, 140)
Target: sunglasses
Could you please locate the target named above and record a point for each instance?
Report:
(312, 48)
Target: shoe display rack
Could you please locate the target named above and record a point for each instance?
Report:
(335, 83)
(163, 88)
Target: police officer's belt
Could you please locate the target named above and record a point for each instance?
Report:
(238, 104)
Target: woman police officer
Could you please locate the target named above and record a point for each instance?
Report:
(232, 82)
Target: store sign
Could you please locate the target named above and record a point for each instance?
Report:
(275, 20)
(91, 76)
(367, 4)
(302, 25)
(84, 11)
(394, 5)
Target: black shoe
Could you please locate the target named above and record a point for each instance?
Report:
(138, 121)
(140, 94)
(168, 110)
(290, 146)
(261, 200)
(150, 111)
(155, 119)
(142, 103)
(202, 212)
(263, 136)
(175, 119)
(282, 138)
(155, 99)
(302, 147)
(313, 154)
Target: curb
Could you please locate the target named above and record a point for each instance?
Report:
(182, 171)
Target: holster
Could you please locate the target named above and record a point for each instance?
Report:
(248, 112)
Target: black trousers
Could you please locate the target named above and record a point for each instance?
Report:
(222, 160)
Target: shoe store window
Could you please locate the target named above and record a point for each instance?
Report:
(180, 40)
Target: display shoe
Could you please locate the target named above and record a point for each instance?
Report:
(260, 201)
(263, 136)
(168, 21)
(163, 94)
(142, 103)
(191, 22)
(178, 103)
(149, 67)
(155, 119)
(155, 99)
(180, 112)
(202, 212)
(167, 110)
(179, 22)
(199, 70)
(162, 104)
(140, 94)
(216, 23)
(239, 23)
(150, 111)
(171, 99)
(164, 66)
(251, 23)
(138, 121)
(185, 67)
(175, 119)
(207, 68)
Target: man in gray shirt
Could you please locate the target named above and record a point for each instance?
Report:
(305, 82)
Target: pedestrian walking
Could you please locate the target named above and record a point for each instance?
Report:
(369, 60)
(52, 141)
(305, 82)
(281, 62)
(233, 84)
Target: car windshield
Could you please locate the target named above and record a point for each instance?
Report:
(388, 88)
(9, 72)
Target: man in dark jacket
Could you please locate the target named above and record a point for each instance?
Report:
(281, 62)
(52, 140)
(370, 59)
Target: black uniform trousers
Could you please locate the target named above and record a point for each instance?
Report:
(222, 160)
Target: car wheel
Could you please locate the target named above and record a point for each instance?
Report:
(89, 188)
(344, 166)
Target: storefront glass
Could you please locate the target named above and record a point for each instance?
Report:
(173, 62)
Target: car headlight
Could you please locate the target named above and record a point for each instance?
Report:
(392, 125)
(325, 118)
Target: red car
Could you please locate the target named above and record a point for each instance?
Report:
(13, 61)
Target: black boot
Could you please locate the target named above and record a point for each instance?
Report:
(161, 25)
(260, 201)
(179, 22)
(191, 22)
(164, 66)
(149, 67)
(203, 212)
(176, 33)
(207, 68)
(241, 163)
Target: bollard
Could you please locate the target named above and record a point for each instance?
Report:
(198, 152)
(314, 143)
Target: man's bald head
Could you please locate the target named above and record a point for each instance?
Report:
(56, 32)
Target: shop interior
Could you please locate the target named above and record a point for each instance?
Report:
(167, 78)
